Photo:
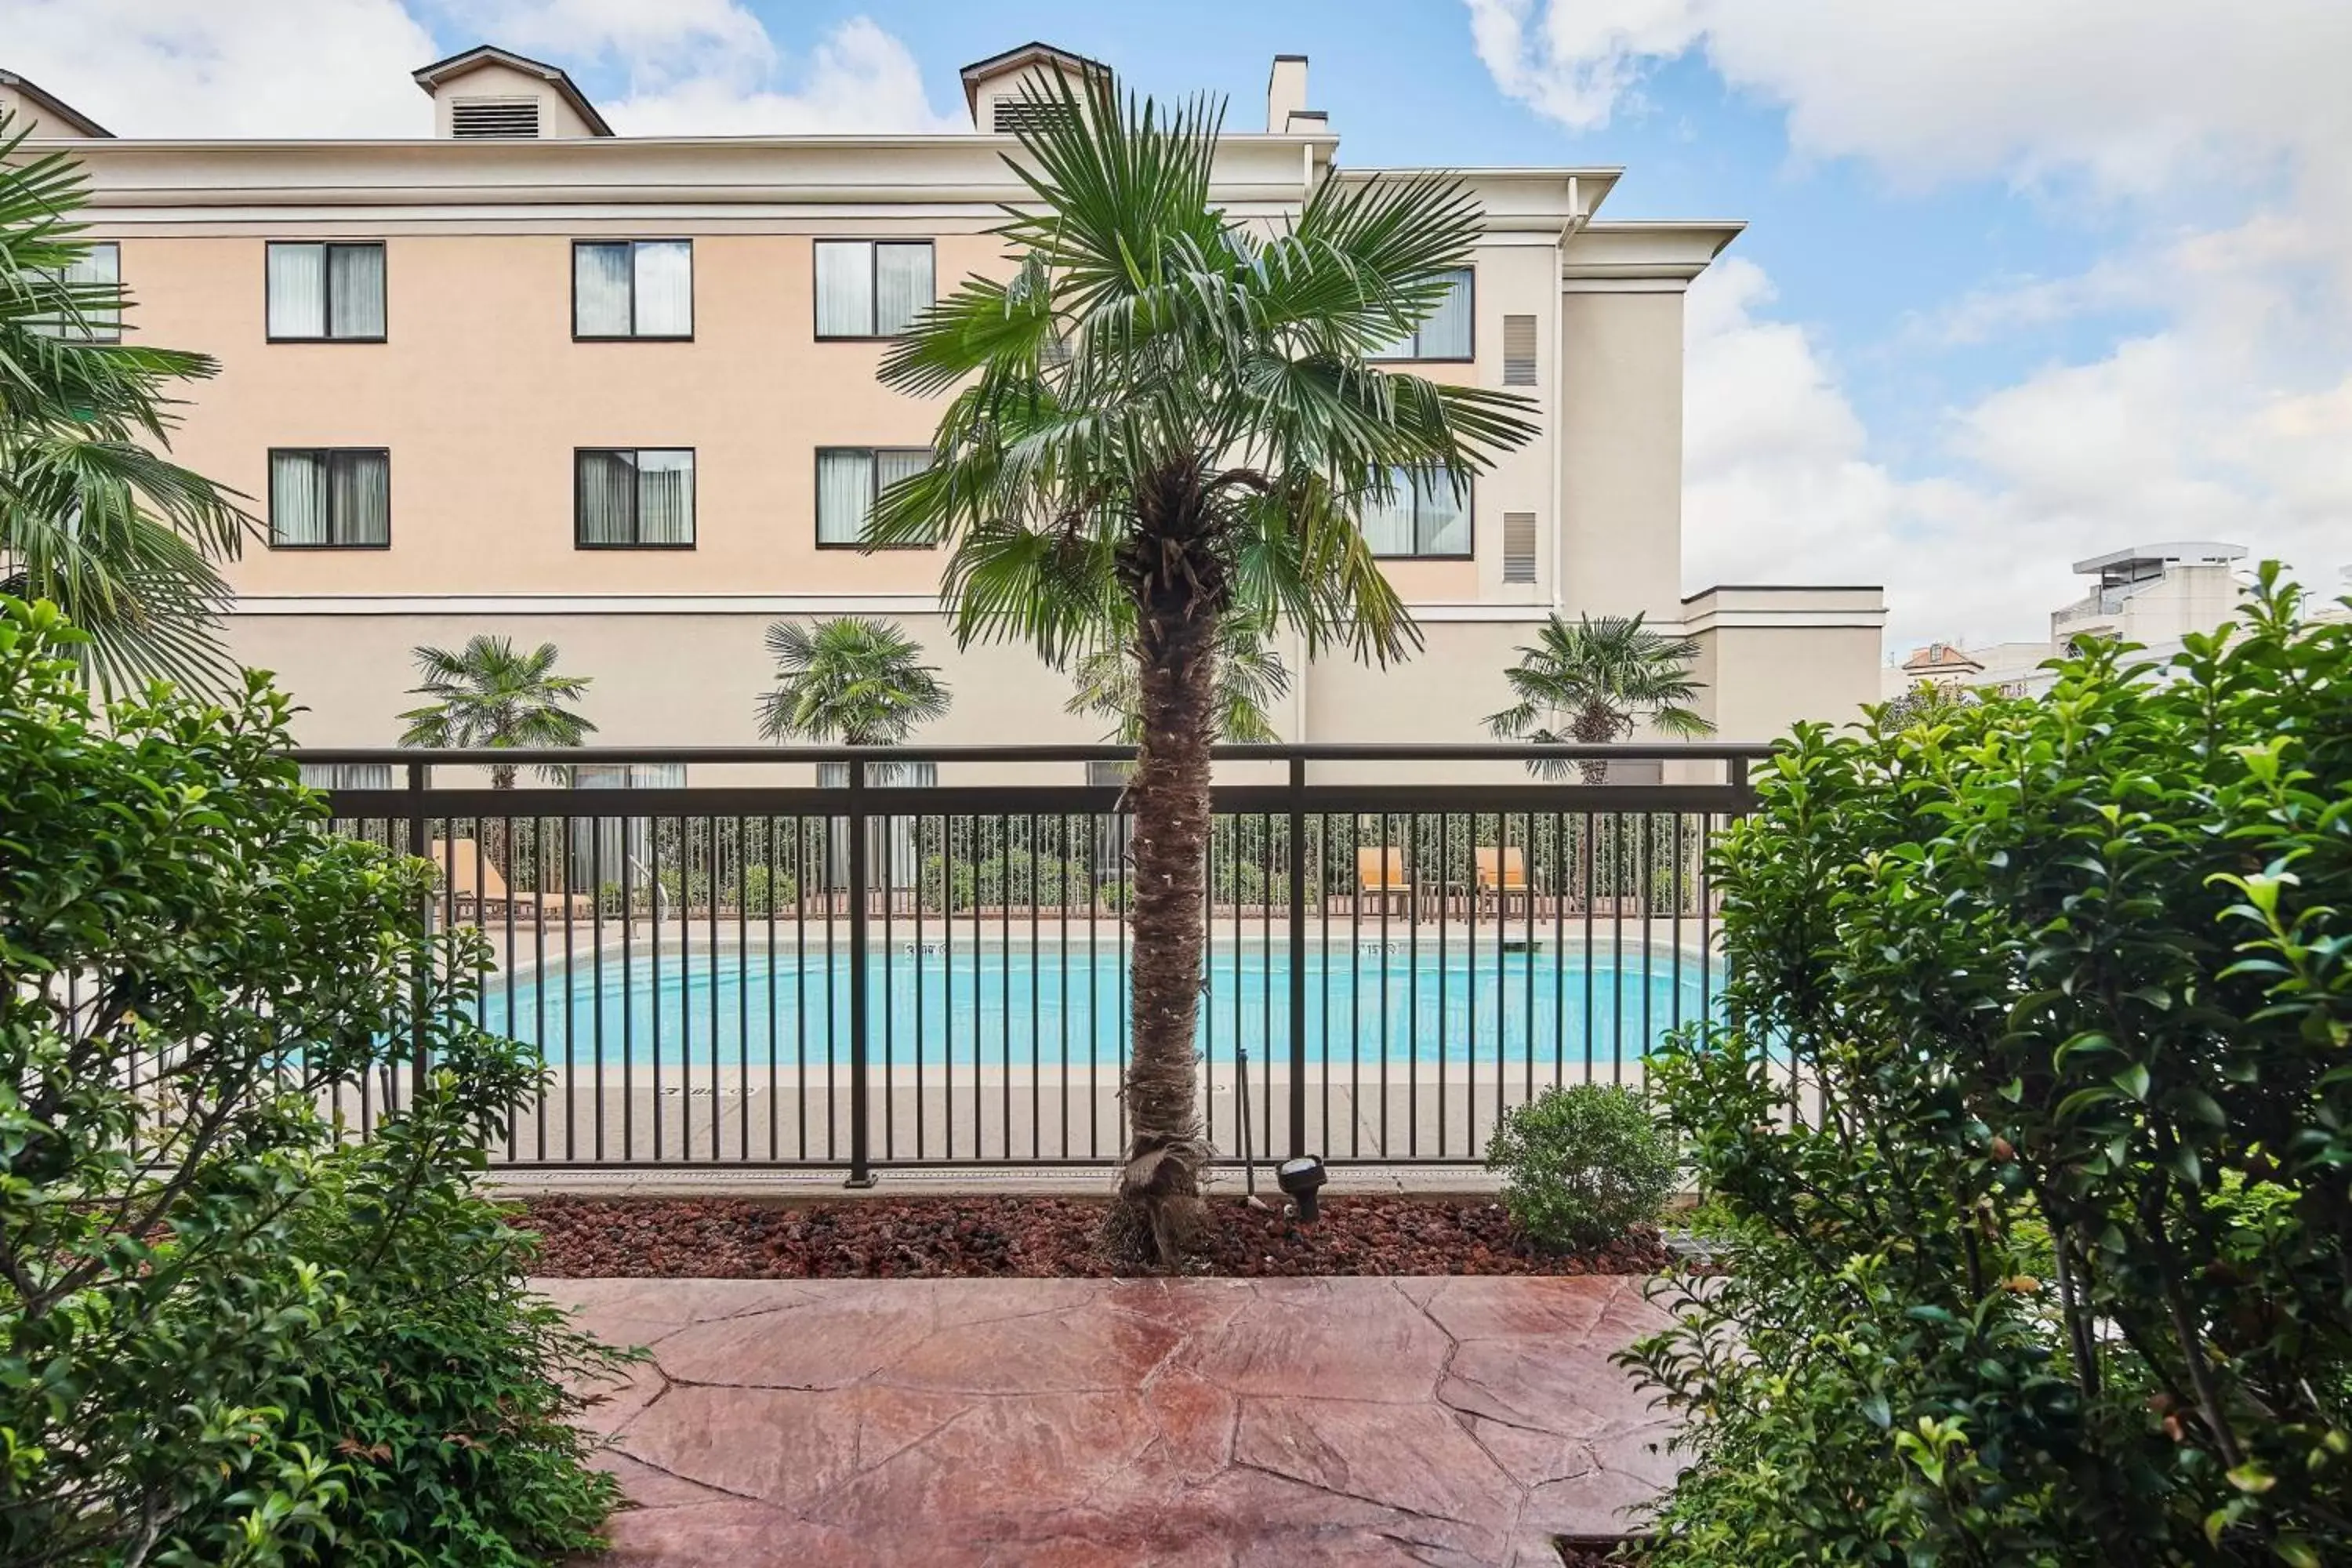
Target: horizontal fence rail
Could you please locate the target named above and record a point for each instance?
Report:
(861, 958)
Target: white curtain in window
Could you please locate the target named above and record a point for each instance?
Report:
(298, 498)
(600, 290)
(844, 490)
(297, 290)
(1444, 525)
(901, 463)
(845, 288)
(101, 266)
(608, 497)
(902, 286)
(1446, 333)
(356, 298)
(666, 498)
(665, 274)
(1387, 523)
(361, 498)
(347, 776)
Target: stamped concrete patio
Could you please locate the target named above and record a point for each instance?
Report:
(1106, 1422)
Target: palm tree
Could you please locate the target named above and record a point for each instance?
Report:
(1594, 682)
(92, 516)
(1251, 677)
(850, 680)
(487, 695)
(1169, 407)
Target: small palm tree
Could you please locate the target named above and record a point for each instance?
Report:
(849, 680)
(1594, 682)
(1168, 407)
(487, 695)
(1251, 677)
(92, 516)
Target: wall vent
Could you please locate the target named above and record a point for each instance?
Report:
(507, 118)
(1518, 350)
(1012, 114)
(1518, 547)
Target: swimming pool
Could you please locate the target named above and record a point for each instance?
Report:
(1010, 1007)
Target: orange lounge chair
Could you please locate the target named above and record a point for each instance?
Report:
(477, 887)
(1502, 877)
(1381, 872)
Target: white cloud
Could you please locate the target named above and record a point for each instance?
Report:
(340, 68)
(709, 68)
(247, 68)
(2216, 141)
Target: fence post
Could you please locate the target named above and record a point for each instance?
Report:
(1297, 957)
(861, 1171)
(419, 847)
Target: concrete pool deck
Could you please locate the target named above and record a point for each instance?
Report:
(984, 1422)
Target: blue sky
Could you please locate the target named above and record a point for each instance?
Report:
(2023, 282)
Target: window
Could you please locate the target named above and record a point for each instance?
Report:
(100, 266)
(1446, 333)
(633, 289)
(849, 479)
(871, 288)
(639, 498)
(1423, 516)
(326, 292)
(324, 498)
(347, 776)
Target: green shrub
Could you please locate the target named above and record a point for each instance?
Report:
(1582, 1165)
(2055, 1265)
(226, 1335)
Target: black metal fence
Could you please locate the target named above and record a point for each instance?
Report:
(861, 959)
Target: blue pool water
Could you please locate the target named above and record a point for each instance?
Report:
(1000, 1007)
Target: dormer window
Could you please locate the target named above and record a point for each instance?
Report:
(489, 94)
(1003, 91)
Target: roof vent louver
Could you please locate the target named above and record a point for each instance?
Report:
(1011, 116)
(1518, 547)
(508, 118)
(1518, 350)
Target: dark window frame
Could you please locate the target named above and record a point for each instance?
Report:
(633, 335)
(693, 503)
(873, 495)
(873, 244)
(326, 293)
(111, 332)
(1417, 357)
(1470, 527)
(328, 454)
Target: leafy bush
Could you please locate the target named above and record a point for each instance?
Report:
(1582, 1165)
(2056, 1264)
(224, 1334)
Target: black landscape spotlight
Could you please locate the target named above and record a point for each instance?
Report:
(1300, 1178)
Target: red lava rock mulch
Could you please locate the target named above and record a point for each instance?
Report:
(871, 1238)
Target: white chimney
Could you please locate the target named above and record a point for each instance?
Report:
(1286, 92)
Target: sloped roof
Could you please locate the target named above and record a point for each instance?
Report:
(1012, 59)
(432, 76)
(54, 107)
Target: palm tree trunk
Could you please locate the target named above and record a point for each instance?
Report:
(1159, 1186)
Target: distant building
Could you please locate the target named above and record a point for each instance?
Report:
(2153, 595)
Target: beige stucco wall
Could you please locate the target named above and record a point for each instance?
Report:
(1622, 448)
(1762, 680)
(27, 118)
